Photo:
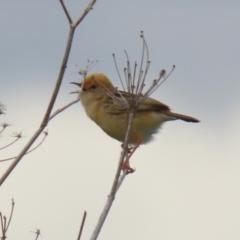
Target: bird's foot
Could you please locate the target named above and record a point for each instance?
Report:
(127, 167)
(129, 149)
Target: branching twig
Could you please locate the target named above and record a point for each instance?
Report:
(9, 144)
(17, 135)
(7, 159)
(86, 11)
(55, 92)
(4, 125)
(50, 118)
(10, 218)
(4, 224)
(2, 108)
(66, 12)
(37, 232)
(62, 109)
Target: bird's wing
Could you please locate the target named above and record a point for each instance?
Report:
(151, 104)
(117, 106)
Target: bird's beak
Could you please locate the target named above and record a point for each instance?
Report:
(74, 92)
(77, 83)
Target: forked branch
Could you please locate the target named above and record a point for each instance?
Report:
(55, 91)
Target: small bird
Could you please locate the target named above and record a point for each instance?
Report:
(105, 105)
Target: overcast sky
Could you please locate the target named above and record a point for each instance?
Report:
(187, 182)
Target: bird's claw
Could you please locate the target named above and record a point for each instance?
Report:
(127, 167)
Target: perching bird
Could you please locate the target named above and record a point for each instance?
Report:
(106, 107)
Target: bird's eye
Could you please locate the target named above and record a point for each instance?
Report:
(93, 86)
(84, 89)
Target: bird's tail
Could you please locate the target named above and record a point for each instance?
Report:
(183, 117)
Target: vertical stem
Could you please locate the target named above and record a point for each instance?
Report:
(113, 191)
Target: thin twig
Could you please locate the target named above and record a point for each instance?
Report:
(4, 125)
(2, 130)
(54, 95)
(86, 11)
(50, 118)
(59, 79)
(45, 133)
(10, 218)
(2, 108)
(9, 144)
(38, 233)
(7, 159)
(4, 224)
(62, 109)
(115, 62)
(66, 12)
(82, 225)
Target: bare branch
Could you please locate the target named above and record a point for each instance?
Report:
(66, 12)
(10, 218)
(50, 118)
(2, 108)
(4, 224)
(7, 159)
(59, 79)
(62, 109)
(4, 125)
(38, 233)
(45, 135)
(86, 11)
(9, 144)
(19, 157)
(54, 95)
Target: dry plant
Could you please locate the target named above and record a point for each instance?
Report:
(4, 223)
(17, 136)
(37, 232)
(134, 84)
(46, 118)
(2, 108)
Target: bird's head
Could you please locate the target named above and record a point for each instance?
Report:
(94, 87)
